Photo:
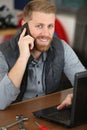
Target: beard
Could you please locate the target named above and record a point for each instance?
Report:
(42, 47)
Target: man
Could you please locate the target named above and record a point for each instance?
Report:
(32, 65)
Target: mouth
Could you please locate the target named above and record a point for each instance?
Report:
(43, 40)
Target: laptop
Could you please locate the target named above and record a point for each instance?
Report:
(74, 115)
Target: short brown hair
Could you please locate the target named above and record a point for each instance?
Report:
(39, 6)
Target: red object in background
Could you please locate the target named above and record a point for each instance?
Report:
(60, 31)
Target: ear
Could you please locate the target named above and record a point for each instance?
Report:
(23, 22)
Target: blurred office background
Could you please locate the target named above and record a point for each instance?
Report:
(71, 21)
(73, 16)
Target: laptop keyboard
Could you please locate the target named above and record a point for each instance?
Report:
(53, 114)
(63, 114)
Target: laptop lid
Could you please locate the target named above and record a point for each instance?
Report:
(79, 103)
(77, 113)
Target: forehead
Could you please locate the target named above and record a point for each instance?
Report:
(40, 17)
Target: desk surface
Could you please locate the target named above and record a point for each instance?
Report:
(27, 107)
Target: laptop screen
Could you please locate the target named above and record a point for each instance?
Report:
(80, 98)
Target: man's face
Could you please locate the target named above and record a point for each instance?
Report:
(42, 30)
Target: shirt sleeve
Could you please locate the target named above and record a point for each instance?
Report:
(8, 92)
(72, 64)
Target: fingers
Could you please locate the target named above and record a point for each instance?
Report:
(66, 102)
(28, 39)
(31, 46)
(61, 106)
(26, 44)
(23, 33)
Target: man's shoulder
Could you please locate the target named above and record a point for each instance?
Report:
(57, 43)
(56, 39)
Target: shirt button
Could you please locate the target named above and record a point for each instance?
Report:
(38, 82)
(37, 66)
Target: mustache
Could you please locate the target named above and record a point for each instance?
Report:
(44, 37)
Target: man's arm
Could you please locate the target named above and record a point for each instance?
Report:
(10, 81)
(8, 92)
(17, 72)
(72, 65)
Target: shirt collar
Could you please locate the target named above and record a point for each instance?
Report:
(41, 59)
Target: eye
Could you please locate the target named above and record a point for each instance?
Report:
(50, 26)
(39, 26)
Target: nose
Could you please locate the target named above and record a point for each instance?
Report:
(45, 31)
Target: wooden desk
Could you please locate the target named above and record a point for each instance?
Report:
(27, 107)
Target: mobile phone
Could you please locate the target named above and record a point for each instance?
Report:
(27, 29)
(27, 33)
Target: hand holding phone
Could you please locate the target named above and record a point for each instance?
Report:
(27, 33)
(27, 29)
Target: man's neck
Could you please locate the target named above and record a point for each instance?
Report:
(36, 54)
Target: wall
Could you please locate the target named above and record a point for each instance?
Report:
(8, 3)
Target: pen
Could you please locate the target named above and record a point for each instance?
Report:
(41, 127)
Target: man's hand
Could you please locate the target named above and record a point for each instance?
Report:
(25, 43)
(66, 102)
